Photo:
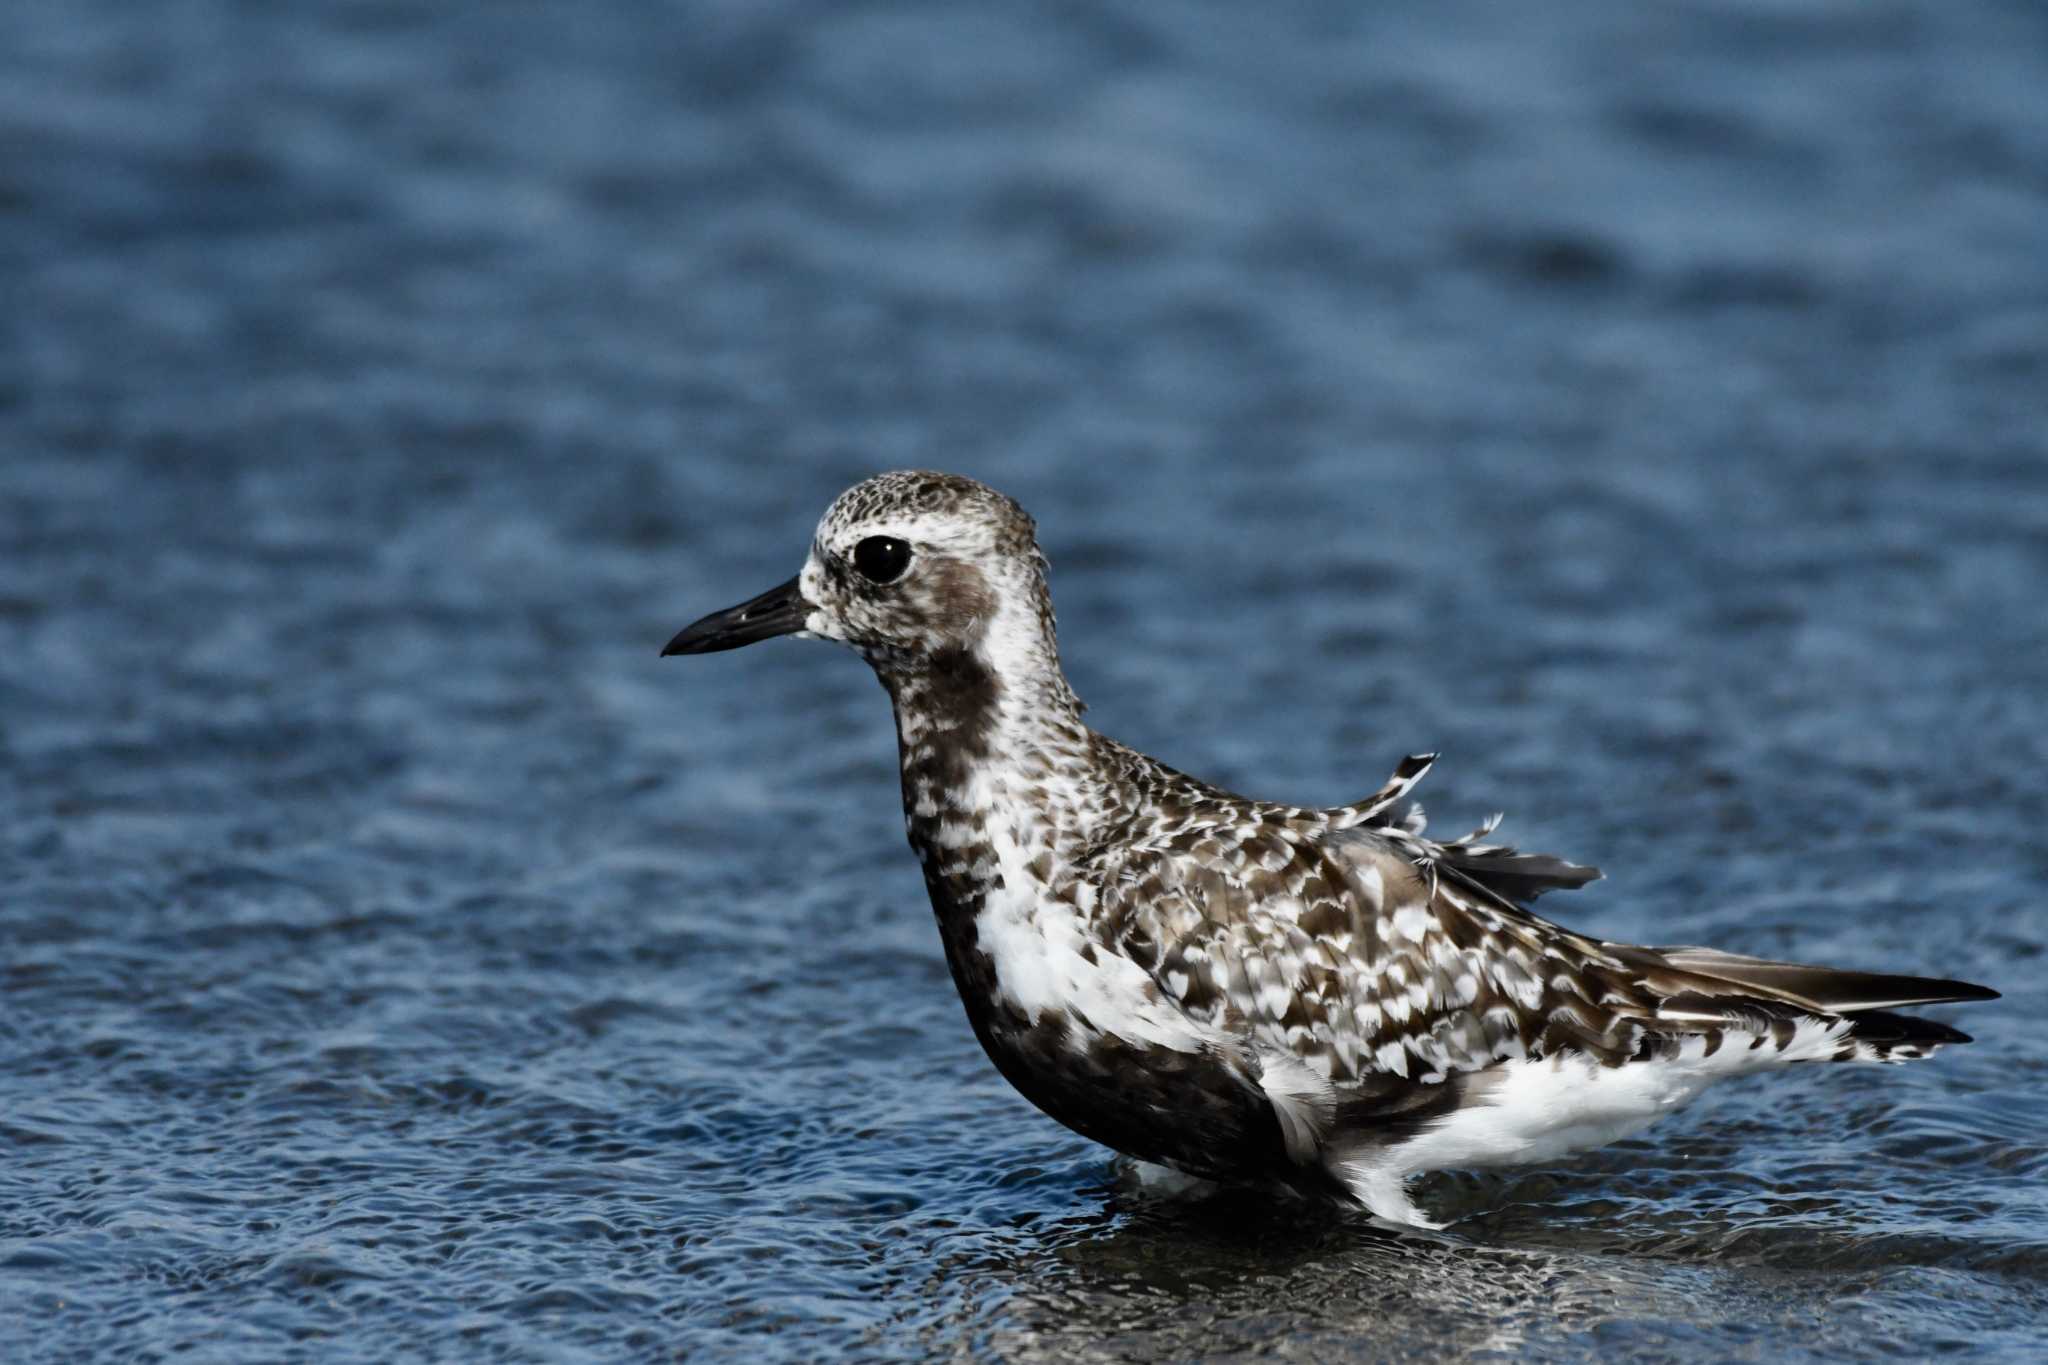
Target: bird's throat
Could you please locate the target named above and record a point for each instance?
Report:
(977, 750)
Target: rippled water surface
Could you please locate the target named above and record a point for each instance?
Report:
(1645, 406)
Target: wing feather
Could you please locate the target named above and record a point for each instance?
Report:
(1347, 954)
(1351, 942)
(1825, 990)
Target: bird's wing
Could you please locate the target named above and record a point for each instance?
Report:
(1366, 950)
(1339, 948)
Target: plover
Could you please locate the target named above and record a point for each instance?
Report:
(1247, 991)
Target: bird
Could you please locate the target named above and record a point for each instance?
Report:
(1320, 1000)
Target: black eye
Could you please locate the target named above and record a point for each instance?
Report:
(881, 559)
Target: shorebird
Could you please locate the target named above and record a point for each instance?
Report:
(1246, 991)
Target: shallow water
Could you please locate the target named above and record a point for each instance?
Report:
(1646, 408)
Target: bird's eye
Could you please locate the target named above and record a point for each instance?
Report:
(881, 559)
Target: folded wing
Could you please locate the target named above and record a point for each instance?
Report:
(1369, 951)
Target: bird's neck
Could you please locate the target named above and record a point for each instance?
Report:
(998, 768)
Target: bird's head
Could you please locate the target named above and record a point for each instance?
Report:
(905, 568)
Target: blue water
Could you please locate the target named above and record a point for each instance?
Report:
(1647, 406)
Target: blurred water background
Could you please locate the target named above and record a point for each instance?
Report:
(1647, 406)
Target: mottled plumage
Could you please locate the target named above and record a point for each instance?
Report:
(1248, 991)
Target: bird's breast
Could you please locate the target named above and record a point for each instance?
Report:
(1080, 1029)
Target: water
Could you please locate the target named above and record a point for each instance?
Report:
(1644, 406)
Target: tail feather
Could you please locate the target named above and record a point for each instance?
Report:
(1697, 1027)
(1882, 1029)
(1706, 990)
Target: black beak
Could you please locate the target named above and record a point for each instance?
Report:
(778, 611)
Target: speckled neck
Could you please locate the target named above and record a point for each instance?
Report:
(992, 748)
